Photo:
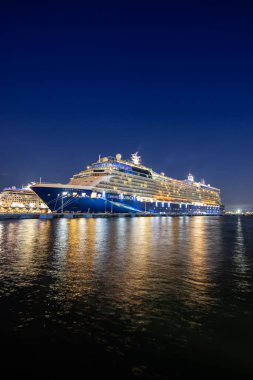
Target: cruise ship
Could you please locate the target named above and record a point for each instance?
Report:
(21, 200)
(115, 185)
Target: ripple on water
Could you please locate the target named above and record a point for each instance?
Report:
(149, 290)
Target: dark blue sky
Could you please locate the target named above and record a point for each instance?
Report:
(171, 79)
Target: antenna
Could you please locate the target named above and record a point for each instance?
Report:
(190, 177)
(135, 158)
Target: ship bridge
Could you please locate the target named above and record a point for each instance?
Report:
(116, 163)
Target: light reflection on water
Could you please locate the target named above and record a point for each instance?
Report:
(161, 283)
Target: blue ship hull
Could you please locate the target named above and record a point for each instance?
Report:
(74, 200)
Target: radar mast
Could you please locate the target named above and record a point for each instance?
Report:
(190, 177)
(135, 158)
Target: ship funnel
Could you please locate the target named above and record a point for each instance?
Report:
(190, 177)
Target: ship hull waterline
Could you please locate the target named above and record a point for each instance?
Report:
(80, 200)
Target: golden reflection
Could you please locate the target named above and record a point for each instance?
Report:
(76, 246)
(11, 233)
(130, 258)
(23, 239)
(61, 239)
(81, 243)
(136, 249)
(31, 235)
(139, 245)
(197, 279)
(115, 251)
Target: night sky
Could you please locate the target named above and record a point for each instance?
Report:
(169, 79)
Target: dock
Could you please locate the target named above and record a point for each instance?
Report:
(6, 216)
(50, 216)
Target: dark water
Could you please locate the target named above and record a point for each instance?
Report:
(134, 298)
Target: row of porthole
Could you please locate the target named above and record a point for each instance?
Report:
(121, 197)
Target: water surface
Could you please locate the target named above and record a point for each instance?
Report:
(132, 297)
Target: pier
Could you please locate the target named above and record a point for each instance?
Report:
(50, 216)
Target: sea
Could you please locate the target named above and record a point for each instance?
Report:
(127, 298)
